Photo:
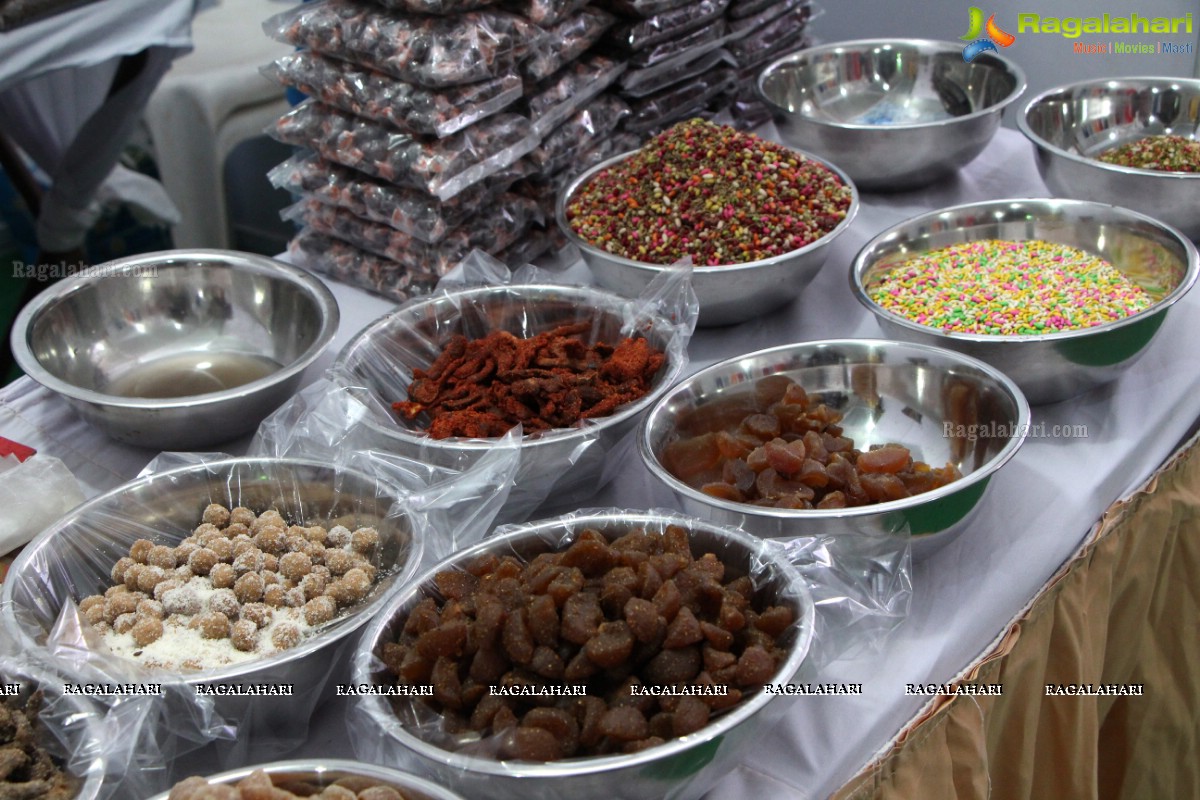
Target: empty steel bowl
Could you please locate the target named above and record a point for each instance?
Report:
(74, 557)
(682, 768)
(176, 350)
(728, 294)
(306, 778)
(945, 407)
(1053, 366)
(1071, 125)
(893, 113)
(566, 464)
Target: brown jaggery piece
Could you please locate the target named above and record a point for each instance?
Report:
(624, 723)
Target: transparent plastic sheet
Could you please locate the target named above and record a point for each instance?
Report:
(406, 107)
(545, 190)
(171, 712)
(637, 35)
(658, 111)
(760, 18)
(441, 167)
(776, 36)
(410, 211)
(682, 49)
(535, 244)
(595, 122)
(554, 99)
(437, 7)
(565, 42)
(72, 730)
(843, 596)
(760, 58)
(563, 463)
(354, 266)
(544, 13)
(640, 83)
(426, 50)
(641, 8)
(510, 216)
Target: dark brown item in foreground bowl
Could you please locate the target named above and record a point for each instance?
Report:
(258, 785)
(27, 770)
(639, 611)
(483, 387)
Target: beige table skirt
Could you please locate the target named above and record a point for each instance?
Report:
(1123, 614)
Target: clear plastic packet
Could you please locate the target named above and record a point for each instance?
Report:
(544, 13)
(545, 189)
(782, 33)
(509, 217)
(658, 111)
(639, 83)
(258, 706)
(354, 266)
(566, 463)
(551, 101)
(67, 730)
(408, 108)
(637, 35)
(757, 19)
(740, 9)
(597, 120)
(641, 8)
(565, 42)
(426, 50)
(441, 167)
(535, 244)
(819, 599)
(684, 48)
(437, 7)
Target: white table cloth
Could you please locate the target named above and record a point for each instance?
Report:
(1040, 507)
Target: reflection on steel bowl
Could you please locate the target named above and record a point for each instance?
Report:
(928, 399)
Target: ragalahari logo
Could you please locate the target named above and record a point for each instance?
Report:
(995, 35)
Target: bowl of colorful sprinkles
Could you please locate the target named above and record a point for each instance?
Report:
(1133, 141)
(755, 217)
(1061, 295)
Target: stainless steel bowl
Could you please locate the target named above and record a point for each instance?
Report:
(893, 113)
(176, 350)
(946, 408)
(73, 732)
(308, 775)
(565, 465)
(1071, 125)
(72, 559)
(1054, 366)
(680, 769)
(728, 294)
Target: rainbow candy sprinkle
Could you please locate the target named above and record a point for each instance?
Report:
(1006, 288)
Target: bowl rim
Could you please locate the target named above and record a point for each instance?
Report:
(382, 772)
(860, 265)
(1020, 428)
(353, 621)
(1147, 81)
(921, 46)
(588, 765)
(316, 290)
(560, 215)
(673, 367)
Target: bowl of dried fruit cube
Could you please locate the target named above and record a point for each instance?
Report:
(607, 649)
(845, 437)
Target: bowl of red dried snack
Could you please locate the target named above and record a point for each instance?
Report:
(325, 778)
(866, 436)
(230, 580)
(756, 218)
(575, 367)
(573, 655)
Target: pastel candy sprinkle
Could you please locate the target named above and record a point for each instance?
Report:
(1008, 288)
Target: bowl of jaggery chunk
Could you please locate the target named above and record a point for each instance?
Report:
(334, 779)
(570, 656)
(574, 367)
(853, 436)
